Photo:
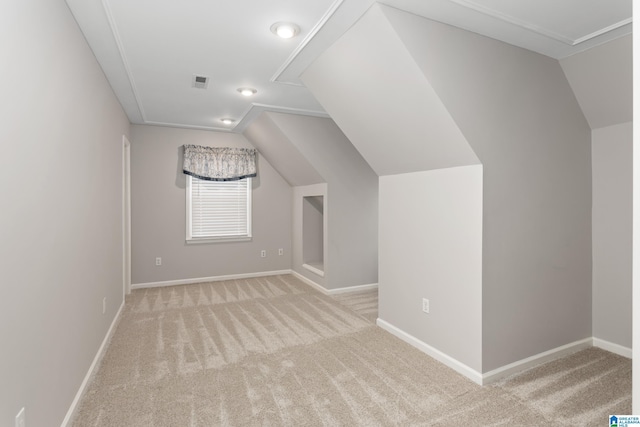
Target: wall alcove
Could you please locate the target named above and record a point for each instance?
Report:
(313, 234)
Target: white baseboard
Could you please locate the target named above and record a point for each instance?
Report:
(309, 282)
(208, 279)
(92, 368)
(318, 287)
(313, 269)
(304, 279)
(538, 359)
(441, 357)
(357, 288)
(613, 348)
(504, 371)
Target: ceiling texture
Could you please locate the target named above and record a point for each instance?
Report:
(151, 50)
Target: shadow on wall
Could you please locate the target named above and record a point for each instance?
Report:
(181, 179)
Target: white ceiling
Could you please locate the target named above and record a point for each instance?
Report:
(151, 49)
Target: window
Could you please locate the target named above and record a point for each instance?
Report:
(218, 210)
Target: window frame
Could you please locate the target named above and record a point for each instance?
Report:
(190, 239)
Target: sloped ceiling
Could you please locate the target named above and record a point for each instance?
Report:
(151, 49)
(602, 81)
(327, 148)
(308, 150)
(279, 151)
(383, 102)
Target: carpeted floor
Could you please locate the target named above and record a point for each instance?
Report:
(274, 352)
(365, 303)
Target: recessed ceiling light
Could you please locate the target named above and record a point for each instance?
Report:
(247, 91)
(285, 30)
(227, 121)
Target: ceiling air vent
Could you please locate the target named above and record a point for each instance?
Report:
(200, 82)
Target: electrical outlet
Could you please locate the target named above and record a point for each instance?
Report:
(425, 305)
(158, 261)
(280, 251)
(20, 419)
(263, 253)
(104, 305)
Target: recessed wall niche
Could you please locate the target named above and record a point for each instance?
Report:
(313, 234)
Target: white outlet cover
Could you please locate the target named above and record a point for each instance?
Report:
(425, 305)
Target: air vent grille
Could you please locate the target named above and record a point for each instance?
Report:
(200, 82)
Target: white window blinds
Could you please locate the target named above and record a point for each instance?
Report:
(218, 209)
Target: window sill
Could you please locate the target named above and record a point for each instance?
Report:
(217, 240)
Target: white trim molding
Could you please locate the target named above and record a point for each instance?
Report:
(208, 279)
(126, 216)
(499, 373)
(245, 118)
(546, 32)
(313, 269)
(92, 369)
(297, 275)
(123, 56)
(441, 357)
(309, 282)
(347, 289)
(312, 33)
(613, 348)
(535, 360)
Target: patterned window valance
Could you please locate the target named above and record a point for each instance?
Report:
(219, 164)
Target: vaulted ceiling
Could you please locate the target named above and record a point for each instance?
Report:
(150, 50)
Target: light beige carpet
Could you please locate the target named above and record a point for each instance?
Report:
(273, 352)
(365, 303)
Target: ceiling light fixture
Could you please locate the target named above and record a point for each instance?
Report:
(227, 121)
(285, 30)
(247, 91)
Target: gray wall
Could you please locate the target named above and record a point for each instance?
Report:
(351, 204)
(158, 212)
(431, 247)
(430, 222)
(612, 209)
(520, 115)
(61, 228)
(602, 80)
(517, 111)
